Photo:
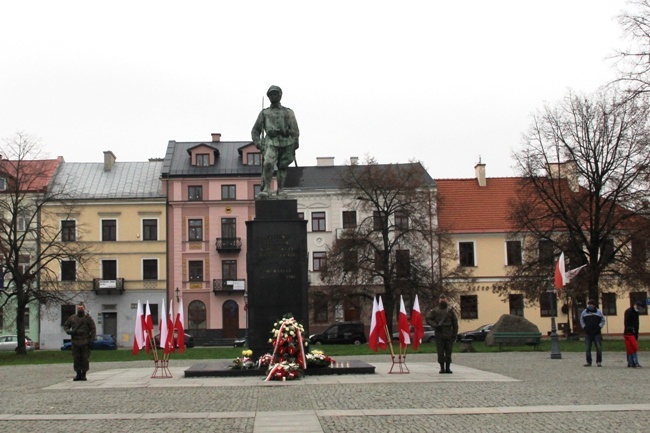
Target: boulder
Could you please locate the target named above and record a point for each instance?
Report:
(510, 323)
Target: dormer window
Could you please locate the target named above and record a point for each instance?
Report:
(202, 159)
(254, 158)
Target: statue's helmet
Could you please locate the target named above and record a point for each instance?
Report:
(274, 88)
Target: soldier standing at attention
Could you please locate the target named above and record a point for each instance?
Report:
(444, 321)
(275, 134)
(81, 329)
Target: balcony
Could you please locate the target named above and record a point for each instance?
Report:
(108, 287)
(221, 286)
(228, 245)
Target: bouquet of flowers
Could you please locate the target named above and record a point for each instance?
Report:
(243, 363)
(265, 360)
(288, 358)
(316, 358)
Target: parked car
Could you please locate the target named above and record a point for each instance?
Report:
(102, 342)
(428, 337)
(189, 340)
(10, 342)
(478, 334)
(341, 333)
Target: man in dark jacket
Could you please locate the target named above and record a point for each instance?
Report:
(444, 321)
(631, 318)
(81, 329)
(592, 321)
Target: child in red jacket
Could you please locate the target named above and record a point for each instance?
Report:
(631, 347)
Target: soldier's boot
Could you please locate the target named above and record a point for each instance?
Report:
(78, 376)
(83, 375)
(447, 369)
(442, 368)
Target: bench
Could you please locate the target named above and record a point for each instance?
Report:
(528, 338)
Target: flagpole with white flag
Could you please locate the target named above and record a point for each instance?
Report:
(138, 334)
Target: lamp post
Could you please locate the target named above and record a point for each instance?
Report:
(555, 343)
(178, 292)
(246, 310)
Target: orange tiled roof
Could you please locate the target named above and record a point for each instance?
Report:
(466, 207)
(36, 174)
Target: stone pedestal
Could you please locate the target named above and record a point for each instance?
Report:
(277, 270)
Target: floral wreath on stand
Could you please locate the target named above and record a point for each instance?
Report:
(288, 360)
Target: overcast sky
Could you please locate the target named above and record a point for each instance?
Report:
(440, 82)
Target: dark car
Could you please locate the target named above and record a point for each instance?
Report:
(189, 340)
(478, 334)
(341, 333)
(428, 337)
(102, 342)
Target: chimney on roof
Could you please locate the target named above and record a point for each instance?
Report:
(109, 160)
(479, 169)
(216, 136)
(325, 161)
(565, 170)
(354, 160)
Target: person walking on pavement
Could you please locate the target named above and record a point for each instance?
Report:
(592, 321)
(631, 348)
(444, 322)
(81, 328)
(631, 318)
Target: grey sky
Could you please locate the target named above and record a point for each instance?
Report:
(440, 82)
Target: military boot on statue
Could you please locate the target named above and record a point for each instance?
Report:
(447, 369)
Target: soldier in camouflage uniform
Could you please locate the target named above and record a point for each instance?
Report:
(81, 329)
(275, 134)
(444, 321)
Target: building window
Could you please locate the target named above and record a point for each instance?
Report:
(466, 253)
(607, 251)
(379, 261)
(318, 221)
(350, 261)
(68, 270)
(254, 159)
(548, 304)
(66, 312)
(639, 251)
(401, 221)
(513, 253)
(202, 159)
(349, 219)
(320, 261)
(149, 269)
(301, 215)
(24, 263)
(109, 269)
(195, 193)
(403, 263)
(516, 305)
(545, 252)
(320, 308)
(228, 192)
(257, 189)
(195, 230)
(195, 268)
(3, 184)
(228, 228)
(26, 319)
(149, 229)
(469, 307)
(378, 220)
(196, 315)
(639, 297)
(609, 304)
(109, 230)
(229, 269)
(23, 223)
(68, 230)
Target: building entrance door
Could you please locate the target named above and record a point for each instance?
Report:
(109, 324)
(230, 314)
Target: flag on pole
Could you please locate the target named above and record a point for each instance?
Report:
(373, 337)
(162, 327)
(169, 346)
(178, 325)
(138, 334)
(569, 275)
(382, 336)
(403, 325)
(148, 328)
(560, 274)
(416, 323)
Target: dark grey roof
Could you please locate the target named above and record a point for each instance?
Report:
(229, 162)
(329, 177)
(88, 180)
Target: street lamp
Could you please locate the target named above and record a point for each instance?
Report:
(555, 343)
(178, 292)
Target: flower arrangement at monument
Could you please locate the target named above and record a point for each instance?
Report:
(288, 358)
(245, 362)
(317, 359)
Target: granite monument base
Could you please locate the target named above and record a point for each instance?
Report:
(221, 369)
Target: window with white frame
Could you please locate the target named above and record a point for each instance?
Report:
(149, 269)
(466, 254)
(513, 253)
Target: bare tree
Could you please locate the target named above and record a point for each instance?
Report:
(594, 206)
(633, 60)
(30, 250)
(394, 248)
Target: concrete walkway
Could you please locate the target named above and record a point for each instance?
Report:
(512, 391)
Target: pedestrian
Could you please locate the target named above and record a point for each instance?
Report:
(81, 328)
(444, 322)
(631, 318)
(592, 321)
(631, 347)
